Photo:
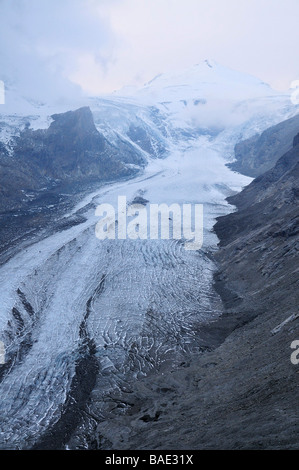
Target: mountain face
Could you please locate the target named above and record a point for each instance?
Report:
(260, 153)
(261, 238)
(197, 85)
(71, 150)
(275, 194)
(241, 391)
(207, 98)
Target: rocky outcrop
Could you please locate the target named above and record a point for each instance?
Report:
(71, 150)
(260, 153)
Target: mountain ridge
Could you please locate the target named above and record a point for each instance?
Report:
(71, 149)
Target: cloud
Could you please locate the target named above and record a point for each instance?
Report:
(102, 45)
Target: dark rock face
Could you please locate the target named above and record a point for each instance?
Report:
(145, 141)
(259, 264)
(71, 150)
(261, 152)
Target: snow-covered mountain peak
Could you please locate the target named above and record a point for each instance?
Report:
(207, 95)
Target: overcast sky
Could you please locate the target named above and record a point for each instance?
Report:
(103, 45)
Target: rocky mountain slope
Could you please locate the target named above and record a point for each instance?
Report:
(71, 150)
(43, 172)
(241, 392)
(258, 154)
